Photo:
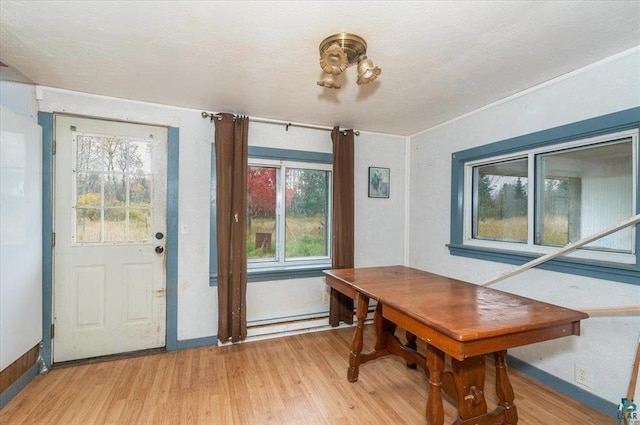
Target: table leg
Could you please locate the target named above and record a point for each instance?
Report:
(435, 364)
(384, 329)
(412, 345)
(469, 376)
(356, 343)
(504, 390)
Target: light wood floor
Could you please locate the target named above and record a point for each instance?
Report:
(297, 380)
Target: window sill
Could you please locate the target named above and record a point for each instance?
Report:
(291, 272)
(589, 268)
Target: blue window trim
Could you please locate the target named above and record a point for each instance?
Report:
(617, 121)
(258, 152)
(290, 155)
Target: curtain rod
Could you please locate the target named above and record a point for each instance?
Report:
(287, 124)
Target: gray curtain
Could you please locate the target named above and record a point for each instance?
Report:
(231, 146)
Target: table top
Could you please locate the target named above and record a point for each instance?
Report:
(460, 310)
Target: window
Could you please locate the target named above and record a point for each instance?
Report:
(288, 209)
(524, 197)
(112, 181)
(289, 195)
(500, 201)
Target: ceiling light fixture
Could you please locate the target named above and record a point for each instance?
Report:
(338, 52)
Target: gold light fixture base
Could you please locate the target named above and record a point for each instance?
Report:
(338, 52)
(353, 45)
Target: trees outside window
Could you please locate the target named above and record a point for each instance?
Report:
(288, 213)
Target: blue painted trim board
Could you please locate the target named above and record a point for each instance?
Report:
(290, 155)
(284, 274)
(7, 395)
(45, 120)
(197, 342)
(618, 121)
(598, 403)
(173, 167)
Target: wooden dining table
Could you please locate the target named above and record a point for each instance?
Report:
(461, 324)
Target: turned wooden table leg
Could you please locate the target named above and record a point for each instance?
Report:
(504, 390)
(356, 343)
(384, 329)
(435, 364)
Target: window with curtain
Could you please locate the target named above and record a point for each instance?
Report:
(289, 195)
(521, 198)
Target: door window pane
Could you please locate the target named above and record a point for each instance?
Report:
(88, 190)
(89, 154)
(139, 158)
(584, 191)
(115, 190)
(261, 212)
(500, 201)
(115, 225)
(140, 191)
(140, 224)
(88, 225)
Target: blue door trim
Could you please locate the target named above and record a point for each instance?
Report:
(46, 121)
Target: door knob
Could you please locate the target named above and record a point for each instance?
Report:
(159, 249)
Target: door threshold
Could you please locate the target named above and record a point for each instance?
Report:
(110, 357)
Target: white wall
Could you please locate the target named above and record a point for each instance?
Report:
(607, 345)
(20, 223)
(380, 222)
(197, 301)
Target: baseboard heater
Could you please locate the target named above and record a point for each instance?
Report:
(285, 326)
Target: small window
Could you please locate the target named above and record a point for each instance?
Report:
(288, 208)
(517, 199)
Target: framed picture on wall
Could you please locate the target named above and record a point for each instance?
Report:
(378, 182)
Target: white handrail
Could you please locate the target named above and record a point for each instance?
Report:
(568, 248)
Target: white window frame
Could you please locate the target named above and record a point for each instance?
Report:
(530, 246)
(259, 265)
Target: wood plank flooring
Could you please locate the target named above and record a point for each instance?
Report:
(295, 380)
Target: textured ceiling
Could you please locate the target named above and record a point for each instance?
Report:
(439, 59)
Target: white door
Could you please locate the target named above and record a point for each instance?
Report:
(110, 224)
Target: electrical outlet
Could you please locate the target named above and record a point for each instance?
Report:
(583, 375)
